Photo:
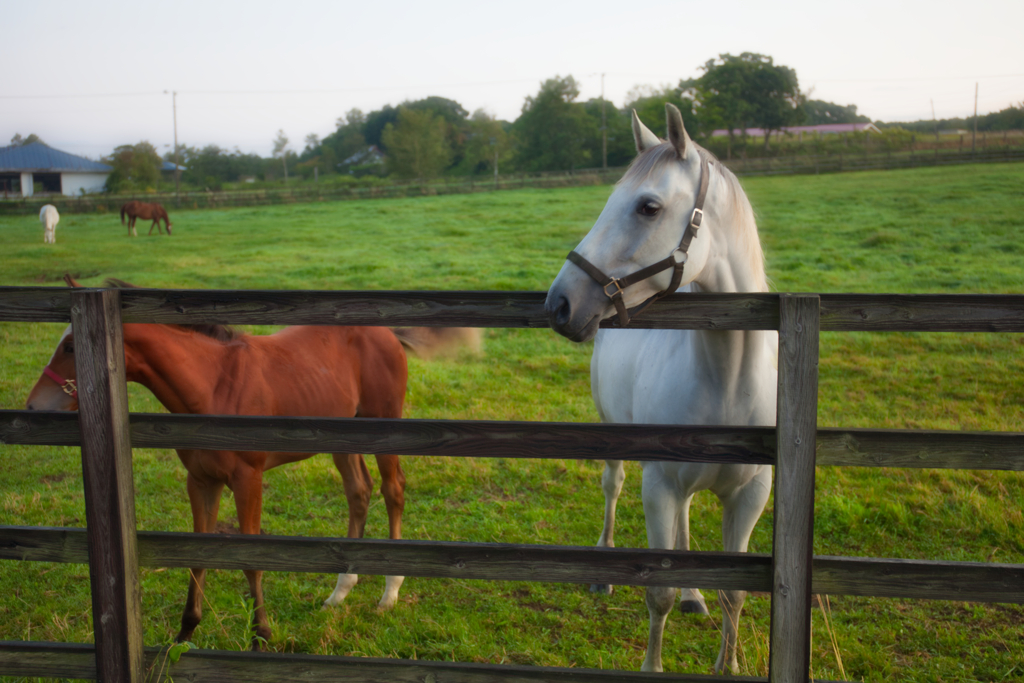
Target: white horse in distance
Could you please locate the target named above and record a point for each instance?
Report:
(49, 217)
(655, 236)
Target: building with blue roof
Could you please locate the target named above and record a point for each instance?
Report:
(25, 167)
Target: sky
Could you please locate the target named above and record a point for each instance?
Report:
(87, 76)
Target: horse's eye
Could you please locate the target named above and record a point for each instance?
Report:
(648, 208)
(69, 348)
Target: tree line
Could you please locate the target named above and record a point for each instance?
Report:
(555, 131)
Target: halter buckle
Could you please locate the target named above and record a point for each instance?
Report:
(696, 218)
(618, 290)
(70, 388)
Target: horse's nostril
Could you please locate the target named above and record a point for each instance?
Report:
(564, 311)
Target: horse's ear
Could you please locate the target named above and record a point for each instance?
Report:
(70, 280)
(643, 136)
(676, 130)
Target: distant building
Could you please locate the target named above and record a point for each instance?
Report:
(822, 129)
(369, 156)
(21, 167)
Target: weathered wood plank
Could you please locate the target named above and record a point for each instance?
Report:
(73, 660)
(865, 576)
(107, 479)
(919, 579)
(839, 312)
(487, 561)
(35, 304)
(922, 312)
(933, 449)
(474, 439)
(836, 447)
(789, 654)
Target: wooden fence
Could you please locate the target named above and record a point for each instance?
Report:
(784, 164)
(114, 550)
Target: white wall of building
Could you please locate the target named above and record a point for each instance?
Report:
(27, 186)
(72, 184)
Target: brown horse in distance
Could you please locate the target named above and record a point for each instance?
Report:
(136, 209)
(315, 371)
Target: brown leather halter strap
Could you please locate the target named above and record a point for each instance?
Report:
(68, 385)
(613, 287)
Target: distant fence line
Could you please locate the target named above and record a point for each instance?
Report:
(794, 164)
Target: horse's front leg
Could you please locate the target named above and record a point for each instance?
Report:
(740, 512)
(612, 477)
(247, 484)
(204, 497)
(358, 487)
(661, 513)
(392, 487)
(690, 599)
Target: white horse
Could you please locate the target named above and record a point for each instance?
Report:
(49, 217)
(656, 220)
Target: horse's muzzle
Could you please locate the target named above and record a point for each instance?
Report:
(560, 318)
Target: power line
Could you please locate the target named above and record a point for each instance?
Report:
(330, 91)
(317, 91)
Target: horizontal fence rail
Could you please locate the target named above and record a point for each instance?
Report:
(75, 660)
(839, 312)
(935, 449)
(860, 576)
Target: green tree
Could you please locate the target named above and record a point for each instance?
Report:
(746, 90)
(817, 112)
(18, 141)
(281, 151)
(554, 130)
(347, 139)
(620, 135)
(136, 167)
(488, 145)
(417, 144)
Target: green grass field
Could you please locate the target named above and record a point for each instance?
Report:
(929, 230)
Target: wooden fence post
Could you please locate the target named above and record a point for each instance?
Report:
(790, 638)
(109, 491)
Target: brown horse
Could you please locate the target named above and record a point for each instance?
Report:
(136, 209)
(316, 371)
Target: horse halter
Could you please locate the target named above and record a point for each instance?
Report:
(614, 287)
(67, 385)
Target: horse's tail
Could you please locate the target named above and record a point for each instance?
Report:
(439, 342)
(123, 207)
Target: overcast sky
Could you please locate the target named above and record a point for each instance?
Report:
(88, 76)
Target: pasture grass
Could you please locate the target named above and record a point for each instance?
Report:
(925, 230)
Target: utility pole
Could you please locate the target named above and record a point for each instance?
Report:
(604, 131)
(974, 135)
(177, 160)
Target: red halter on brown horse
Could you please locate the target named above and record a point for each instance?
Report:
(136, 209)
(315, 371)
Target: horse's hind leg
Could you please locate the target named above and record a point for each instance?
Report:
(392, 487)
(204, 498)
(358, 487)
(247, 485)
(741, 510)
(612, 477)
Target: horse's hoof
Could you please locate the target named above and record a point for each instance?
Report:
(602, 589)
(692, 607)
